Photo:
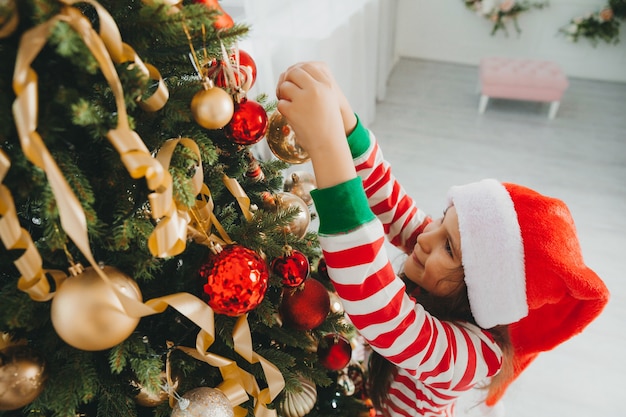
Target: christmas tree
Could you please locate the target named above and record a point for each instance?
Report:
(151, 263)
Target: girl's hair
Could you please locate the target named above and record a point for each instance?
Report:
(453, 307)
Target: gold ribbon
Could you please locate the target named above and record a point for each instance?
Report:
(231, 372)
(240, 195)
(33, 277)
(168, 240)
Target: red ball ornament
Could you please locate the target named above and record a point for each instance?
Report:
(305, 307)
(292, 267)
(334, 352)
(237, 280)
(222, 19)
(248, 124)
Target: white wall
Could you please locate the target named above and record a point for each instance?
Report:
(445, 30)
(354, 37)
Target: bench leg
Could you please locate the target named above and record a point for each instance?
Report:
(554, 107)
(482, 105)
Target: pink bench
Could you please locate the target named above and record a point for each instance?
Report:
(521, 79)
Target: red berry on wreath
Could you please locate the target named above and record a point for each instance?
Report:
(292, 267)
(334, 352)
(305, 307)
(248, 124)
(237, 280)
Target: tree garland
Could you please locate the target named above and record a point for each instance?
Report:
(503, 12)
(602, 25)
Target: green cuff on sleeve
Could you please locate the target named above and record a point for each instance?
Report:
(359, 139)
(342, 208)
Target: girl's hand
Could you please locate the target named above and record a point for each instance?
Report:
(307, 97)
(320, 68)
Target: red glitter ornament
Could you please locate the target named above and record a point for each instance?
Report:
(292, 267)
(334, 352)
(305, 307)
(237, 280)
(248, 124)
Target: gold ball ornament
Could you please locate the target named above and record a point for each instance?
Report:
(87, 313)
(282, 141)
(300, 223)
(212, 108)
(301, 183)
(147, 398)
(299, 404)
(22, 376)
(203, 402)
(8, 18)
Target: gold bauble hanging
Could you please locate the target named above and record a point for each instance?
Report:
(87, 313)
(300, 224)
(281, 140)
(22, 376)
(212, 108)
(301, 183)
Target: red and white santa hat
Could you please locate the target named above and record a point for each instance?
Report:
(524, 268)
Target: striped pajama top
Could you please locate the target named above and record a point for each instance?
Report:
(437, 360)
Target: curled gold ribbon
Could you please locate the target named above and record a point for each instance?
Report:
(29, 264)
(200, 219)
(139, 163)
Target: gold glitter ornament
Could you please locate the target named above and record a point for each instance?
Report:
(22, 376)
(87, 313)
(203, 402)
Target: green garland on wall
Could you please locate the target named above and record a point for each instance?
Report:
(602, 25)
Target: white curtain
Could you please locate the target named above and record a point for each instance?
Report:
(355, 38)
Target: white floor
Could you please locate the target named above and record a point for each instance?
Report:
(429, 129)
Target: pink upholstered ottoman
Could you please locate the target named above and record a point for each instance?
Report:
(521, 79)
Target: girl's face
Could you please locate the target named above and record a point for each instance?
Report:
(436, 257)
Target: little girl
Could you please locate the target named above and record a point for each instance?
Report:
(485, 288)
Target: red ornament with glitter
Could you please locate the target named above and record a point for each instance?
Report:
(248, 124)
(292, 267)
(305, 307)
(334, 352)
(237, 279)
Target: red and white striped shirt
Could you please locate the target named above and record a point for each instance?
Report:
(437, 360)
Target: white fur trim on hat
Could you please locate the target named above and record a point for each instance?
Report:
(492, 252)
